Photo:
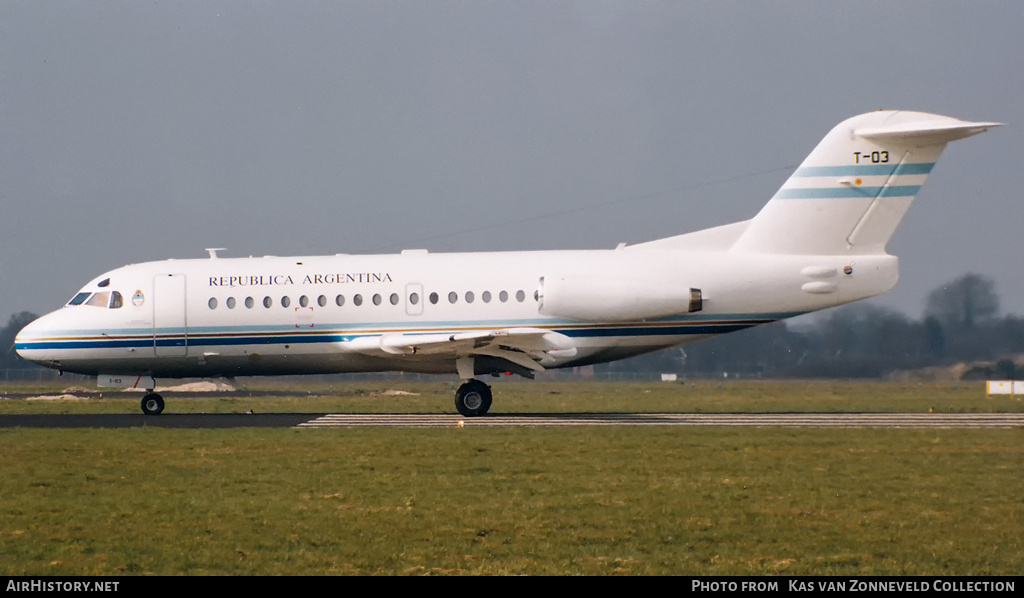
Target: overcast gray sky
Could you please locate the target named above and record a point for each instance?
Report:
(136, 131)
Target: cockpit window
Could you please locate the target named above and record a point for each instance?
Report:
(103, 283)
(99, 299)
(109, 299)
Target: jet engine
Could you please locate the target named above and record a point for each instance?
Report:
(612, 299)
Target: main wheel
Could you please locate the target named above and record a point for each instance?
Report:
(152, 404)
(473, 398)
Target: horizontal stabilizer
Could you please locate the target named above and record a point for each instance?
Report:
(925, 132)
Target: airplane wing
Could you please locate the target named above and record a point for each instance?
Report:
(529, 348)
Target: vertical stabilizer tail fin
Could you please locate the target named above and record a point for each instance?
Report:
(851, 192)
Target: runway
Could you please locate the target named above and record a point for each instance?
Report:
(745, 420)
(362, 420)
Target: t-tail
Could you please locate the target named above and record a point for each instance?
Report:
(849, 195)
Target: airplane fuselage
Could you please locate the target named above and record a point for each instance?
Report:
(304, 315)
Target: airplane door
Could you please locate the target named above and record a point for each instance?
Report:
(170, 333)
(414, 299)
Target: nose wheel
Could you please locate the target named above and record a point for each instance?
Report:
(152, 404)
(473, 398)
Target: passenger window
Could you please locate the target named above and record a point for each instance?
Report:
(520, 296)
(116, 301)
(285, 301)
(249, 302)
(267, 302)
(469, 296)
(453, 297)
(503, 296)
(340, 300)
(414, 298)
(212, 303)
(376, 299)
(99, 299)
(394, 298)
(304, 301)
(231, 303)
(486, 296)
(433, 298)
(321, 301)
(358, 299)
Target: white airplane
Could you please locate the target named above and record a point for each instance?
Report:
(818, 243)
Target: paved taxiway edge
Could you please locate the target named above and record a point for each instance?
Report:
(313, 421)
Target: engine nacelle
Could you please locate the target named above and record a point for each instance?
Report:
(612, 299)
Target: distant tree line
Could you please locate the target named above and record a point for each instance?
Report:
(961, 323)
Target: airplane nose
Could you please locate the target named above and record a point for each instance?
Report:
(24, 339)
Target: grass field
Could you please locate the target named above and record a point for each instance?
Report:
(516, 396)
(591, 500)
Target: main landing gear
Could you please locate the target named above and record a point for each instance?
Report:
(152, 404)
(473, 398)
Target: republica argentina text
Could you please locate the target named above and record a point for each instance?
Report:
(266, 280)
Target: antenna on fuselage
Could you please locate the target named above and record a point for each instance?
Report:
(213, 251)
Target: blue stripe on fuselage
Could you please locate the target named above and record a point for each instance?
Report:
(263, 337)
